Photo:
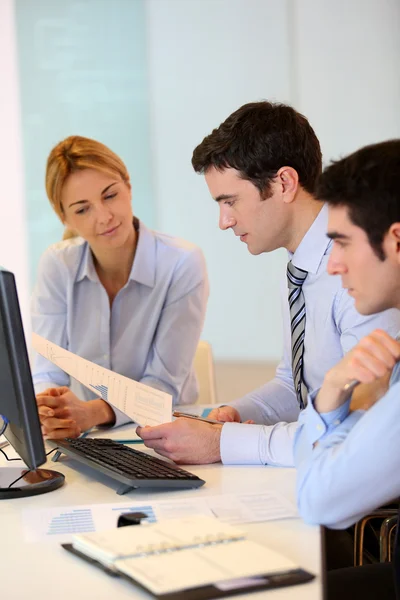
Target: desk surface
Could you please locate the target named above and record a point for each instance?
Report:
(45, 571)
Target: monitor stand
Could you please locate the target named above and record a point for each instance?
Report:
(28, 483)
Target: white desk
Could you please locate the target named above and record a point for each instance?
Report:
(45, 571)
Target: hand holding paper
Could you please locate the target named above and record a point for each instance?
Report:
(143, 404)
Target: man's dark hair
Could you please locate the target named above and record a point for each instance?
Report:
(257, 140)
(367, 183)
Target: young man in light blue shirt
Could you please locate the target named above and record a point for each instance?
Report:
(261, 166)
(347, 453)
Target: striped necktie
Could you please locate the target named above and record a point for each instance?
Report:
(297, 309)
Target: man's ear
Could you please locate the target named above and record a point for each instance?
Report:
(393, 241)
(288, 179)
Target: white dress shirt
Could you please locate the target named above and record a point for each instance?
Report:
(333, 326)
(354, 468)
(152, 330)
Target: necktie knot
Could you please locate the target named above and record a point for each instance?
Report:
(295, 276)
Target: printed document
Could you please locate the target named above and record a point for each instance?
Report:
(142, 403)
(60, 523)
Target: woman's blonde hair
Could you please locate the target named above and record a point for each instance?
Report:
(73, 154)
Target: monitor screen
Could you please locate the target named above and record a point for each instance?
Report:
(17, 396)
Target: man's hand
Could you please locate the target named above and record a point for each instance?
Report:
(63, 414)
(371, 359)
(226, 414)
(367, 394)
(185, 441)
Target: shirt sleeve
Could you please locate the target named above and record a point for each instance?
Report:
(347, 462)
(178, 332)
(243, 444)
(274, 405)
(49, 319)
(272, 402)
(120, 417)
(276, 400)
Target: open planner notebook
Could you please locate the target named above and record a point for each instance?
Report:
(194, 558)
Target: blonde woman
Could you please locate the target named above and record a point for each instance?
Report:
(114, 292)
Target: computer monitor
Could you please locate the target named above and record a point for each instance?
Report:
(18, 410)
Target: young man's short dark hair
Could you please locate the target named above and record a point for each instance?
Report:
(257, 140)
(367, 183)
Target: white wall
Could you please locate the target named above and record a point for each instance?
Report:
(206, 58)
(13, 236)
(337, 62)
(347, 71)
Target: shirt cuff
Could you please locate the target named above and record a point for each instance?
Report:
(240, 443)
(120, 417)
(320, 425)
(45, 385)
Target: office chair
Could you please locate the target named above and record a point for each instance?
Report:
(387, 529)
(388, 516)
(204, 369)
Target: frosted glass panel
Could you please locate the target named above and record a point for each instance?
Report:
(82, 71)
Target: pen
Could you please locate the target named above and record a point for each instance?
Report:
(349, 387)
(4, 444)
(176, 413)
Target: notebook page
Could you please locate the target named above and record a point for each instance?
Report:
(107, 546)
(175, 571)
(169, 534)
(198, 529)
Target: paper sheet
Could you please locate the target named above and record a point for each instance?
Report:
(143, 404)
(124, 433)
(59, 524)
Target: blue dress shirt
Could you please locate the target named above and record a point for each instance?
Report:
(333, 326)
(152, 330)
(354, 468)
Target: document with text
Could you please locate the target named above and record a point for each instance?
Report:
(60, 523)
(142, 403)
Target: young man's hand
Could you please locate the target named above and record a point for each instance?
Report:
(63, 414)
(366, 395)
(185, 441)
(371, 359)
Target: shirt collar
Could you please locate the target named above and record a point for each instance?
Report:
(314, 244)
(86, 267)
(144, 264)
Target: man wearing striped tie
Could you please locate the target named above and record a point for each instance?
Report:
(261, 165)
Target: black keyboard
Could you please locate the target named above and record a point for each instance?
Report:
(133, 468)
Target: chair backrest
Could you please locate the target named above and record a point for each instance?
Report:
(204, 369)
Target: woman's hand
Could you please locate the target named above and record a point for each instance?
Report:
(63, 414)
